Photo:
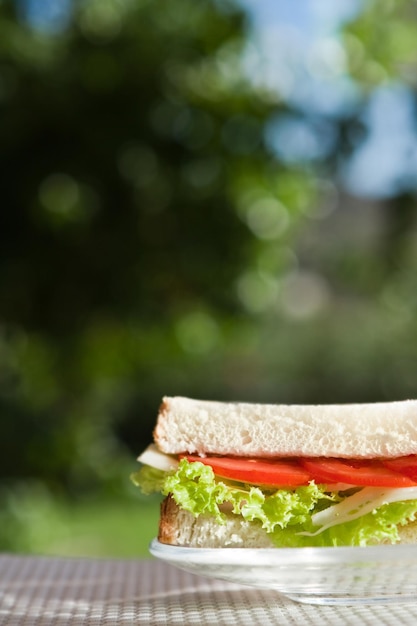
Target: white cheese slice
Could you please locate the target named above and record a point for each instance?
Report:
(153, 457)
(362, 502)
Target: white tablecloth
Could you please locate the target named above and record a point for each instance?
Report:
(45, 591)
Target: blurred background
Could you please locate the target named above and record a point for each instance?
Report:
(214, 199)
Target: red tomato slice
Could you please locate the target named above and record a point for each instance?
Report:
(276, 472)
(406, 465)
(361, 472)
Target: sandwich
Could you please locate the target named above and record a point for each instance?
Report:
(248, 475)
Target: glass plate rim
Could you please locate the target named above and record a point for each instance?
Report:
(285, 556)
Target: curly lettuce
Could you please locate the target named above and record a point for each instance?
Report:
(286, 514)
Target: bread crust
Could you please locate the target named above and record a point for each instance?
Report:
(168, 521)
(243, 429)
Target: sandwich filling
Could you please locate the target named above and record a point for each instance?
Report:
(305, 501)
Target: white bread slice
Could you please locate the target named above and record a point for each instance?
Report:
(180, 528)
(384, 429)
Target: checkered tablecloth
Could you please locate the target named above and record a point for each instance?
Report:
(46, 591)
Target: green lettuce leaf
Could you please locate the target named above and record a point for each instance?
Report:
(195, 488)
(149, 480)
(286, 514)
(379, 526)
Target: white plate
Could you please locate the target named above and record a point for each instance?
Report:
(372, 575)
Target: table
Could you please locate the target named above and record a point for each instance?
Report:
(46, 591)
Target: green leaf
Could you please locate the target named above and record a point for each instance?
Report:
(286, 514)
(149, 479)
(194, 488)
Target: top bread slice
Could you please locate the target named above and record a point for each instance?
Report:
(381, 429)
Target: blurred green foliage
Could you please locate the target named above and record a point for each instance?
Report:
(130, 147)
(137, 197)
(151, 244)
(380, 45)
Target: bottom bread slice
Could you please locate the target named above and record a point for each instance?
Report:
(181, 528)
